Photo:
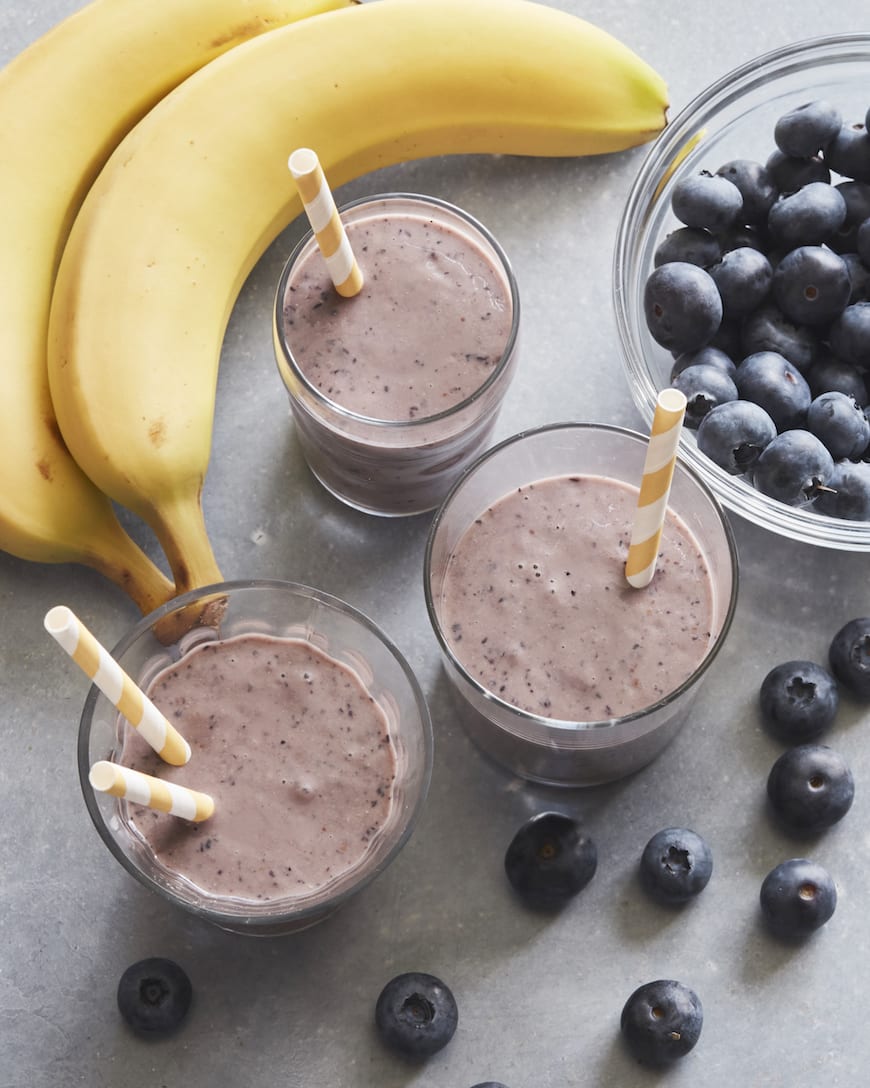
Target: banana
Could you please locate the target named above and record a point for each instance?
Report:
(65, 103)
(197, 191)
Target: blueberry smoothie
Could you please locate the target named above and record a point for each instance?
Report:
(535, 604)
(297, 755)
(394, 390)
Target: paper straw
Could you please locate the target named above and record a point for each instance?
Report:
(655, 487)
(145, 789)
(325, 221)
(96, 662)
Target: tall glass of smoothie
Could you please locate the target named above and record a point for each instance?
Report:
(396, 390)
(564, 673)
(307, 728)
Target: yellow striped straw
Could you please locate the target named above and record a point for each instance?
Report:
(325, 221)
(145, 789)
(97, 663)
(655, 487)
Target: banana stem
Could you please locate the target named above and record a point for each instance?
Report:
(180, 527)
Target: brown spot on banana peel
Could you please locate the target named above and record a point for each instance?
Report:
(43, 467)
(157, 432)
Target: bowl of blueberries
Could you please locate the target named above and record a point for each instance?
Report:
(742, 277)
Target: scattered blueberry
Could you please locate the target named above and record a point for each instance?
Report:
(154, 996)
(489, 1084)
(769, 379)
(704, 387)
(676, 865)
(706, 200)
(797, 898)
(805, 130)
(810, 788)
(847, 495)
(793, 468)
(416, 1015)
(733, 435)
(682, 306)
(811, 285)
(661, 1022)
(756, 187)
(849, 656)
(549, 860)
(837, 421)
(799, 701)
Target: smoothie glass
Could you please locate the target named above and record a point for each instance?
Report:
(549, 750)
(273, 608)
(392, 466)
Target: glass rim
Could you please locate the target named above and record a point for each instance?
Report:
(447, 413)
(566, 726)
(661, 161)
(250, 915)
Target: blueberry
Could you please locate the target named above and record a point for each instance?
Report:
(829, 374)
(859, 274)
(708, 356)
(799, 701)
(862, 241)
(769, 380)
(790, 174)
(154, 996)
(691, 245)
(704, 387)
(768, 329)
(837, 421)
(797, 898)
(807, 217)
(810, 788)
(849, 656)
(847, 495)
(755, 185)
(741, 236)
(849, 334)
(549, 860)
(706, 200)
(793, 467)
(848, 153)
(856, 194)
(811, 285)
(743, 277)
(682, 306)
(804, 131)
(733, 435)
(489, 1084)
(729, 338)
(416, 1015)
(661, 1022)
(676, 865)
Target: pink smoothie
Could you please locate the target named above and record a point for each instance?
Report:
(428, 328)
(536, 607)
(296, 753)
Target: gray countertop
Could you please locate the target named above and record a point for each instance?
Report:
(539, 997)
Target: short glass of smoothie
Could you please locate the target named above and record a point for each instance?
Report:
(307, 728)
(396, 390)
(562, 672)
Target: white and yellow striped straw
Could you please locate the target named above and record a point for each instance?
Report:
(325, 221)
(655, 487)
(96, 662)
(145, 789)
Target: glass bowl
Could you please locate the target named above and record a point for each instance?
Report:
(548, 749)
(733, 118)
(280, 610)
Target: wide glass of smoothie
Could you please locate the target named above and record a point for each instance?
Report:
(306, 726)
(563, 672)
(396, 390)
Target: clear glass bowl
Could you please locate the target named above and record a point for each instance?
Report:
(281, 609)
(733, 118)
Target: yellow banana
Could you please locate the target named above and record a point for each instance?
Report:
(65, 102)
(195, 194)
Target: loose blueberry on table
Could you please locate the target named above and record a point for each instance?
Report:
(797, 898)
(810, 788)
(799, 701)
(416, 1014)
(676, 865)
(549, 860)
(661, 1022)
(154, 996)
(849, 656)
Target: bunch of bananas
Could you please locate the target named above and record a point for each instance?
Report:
(145, 173)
